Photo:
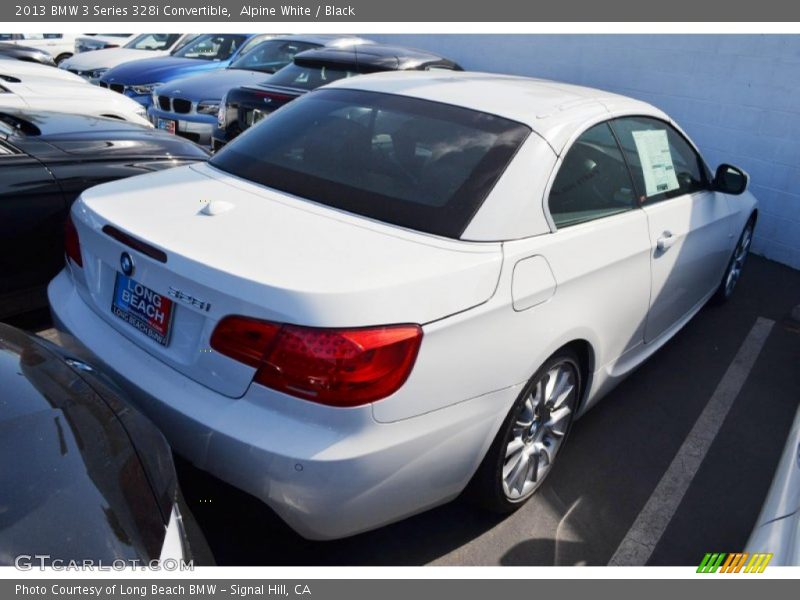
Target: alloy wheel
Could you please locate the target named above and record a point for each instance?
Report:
(539, 430)
(737, 262)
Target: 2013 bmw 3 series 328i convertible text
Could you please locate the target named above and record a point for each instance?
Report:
(401, 286)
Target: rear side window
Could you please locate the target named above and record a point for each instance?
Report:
(663, 163)
(593, 180)
(410, 162)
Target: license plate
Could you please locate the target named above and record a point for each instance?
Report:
(167, 125)
(142, 308)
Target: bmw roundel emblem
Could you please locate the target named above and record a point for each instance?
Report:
(126, 263)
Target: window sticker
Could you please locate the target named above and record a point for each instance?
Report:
(659, 171)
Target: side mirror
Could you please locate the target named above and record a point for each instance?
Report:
(730, 180)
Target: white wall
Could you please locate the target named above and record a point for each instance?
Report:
(737, 96)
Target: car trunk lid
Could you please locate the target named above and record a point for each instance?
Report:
(232, 247)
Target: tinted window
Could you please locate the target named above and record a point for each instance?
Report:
(212, 47)
(309, 78)
(271, 55)
(406, 161)
(662, 162)
(593, 180)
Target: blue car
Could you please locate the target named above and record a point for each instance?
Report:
(208, 52)
(188, 106)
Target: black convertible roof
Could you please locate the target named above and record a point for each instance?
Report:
(368, 58)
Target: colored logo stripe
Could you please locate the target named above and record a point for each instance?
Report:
(735, 562)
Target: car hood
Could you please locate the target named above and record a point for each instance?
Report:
(211, 86)
(109, 139)
(108, 58)
(164, 68)
(30, 71)
(66, 90)
(81, 98)
(76, 488)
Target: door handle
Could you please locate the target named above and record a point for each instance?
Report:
(665, 241)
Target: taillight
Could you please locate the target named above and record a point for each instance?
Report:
(72, 244)
(337, 367)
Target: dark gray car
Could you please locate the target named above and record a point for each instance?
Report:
(84, 476)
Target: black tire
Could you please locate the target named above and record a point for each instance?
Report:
(62, 57)
(487, 486)
(724, 290)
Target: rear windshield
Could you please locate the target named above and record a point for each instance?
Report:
(411, 162)
(309, 78)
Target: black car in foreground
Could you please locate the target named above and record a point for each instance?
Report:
(244, 106)
(46, 161)
(84, 476)
(26, 53)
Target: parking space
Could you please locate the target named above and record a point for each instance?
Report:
(616, 458)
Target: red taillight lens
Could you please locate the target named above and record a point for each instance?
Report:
(245, 340)
(72, 245)
(338, 367)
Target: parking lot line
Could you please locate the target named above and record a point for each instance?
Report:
(638, 544)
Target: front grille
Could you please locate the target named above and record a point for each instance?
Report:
(103, 84)
(117, 87)
(181, 105)
(163, 103)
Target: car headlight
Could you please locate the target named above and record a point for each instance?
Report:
(144, 89)
(222, 112)
(97, 73)
(208, 107)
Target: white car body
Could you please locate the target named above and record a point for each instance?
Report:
(22, 69)
(99, 61)
(60, 48)
(56, 94)
(493, 305)
(777, 529)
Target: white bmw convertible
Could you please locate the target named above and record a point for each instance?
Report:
(401, 286)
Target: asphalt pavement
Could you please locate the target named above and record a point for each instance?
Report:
(617, 459)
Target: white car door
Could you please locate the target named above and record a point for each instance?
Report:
(690, 225)
(600, 252)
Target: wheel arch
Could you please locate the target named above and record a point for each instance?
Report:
(586, 362)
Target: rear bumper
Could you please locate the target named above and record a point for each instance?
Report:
(327, 472)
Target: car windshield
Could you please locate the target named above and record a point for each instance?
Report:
(153, 41)
(410, 162)
(212, 47)
(271, 56)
